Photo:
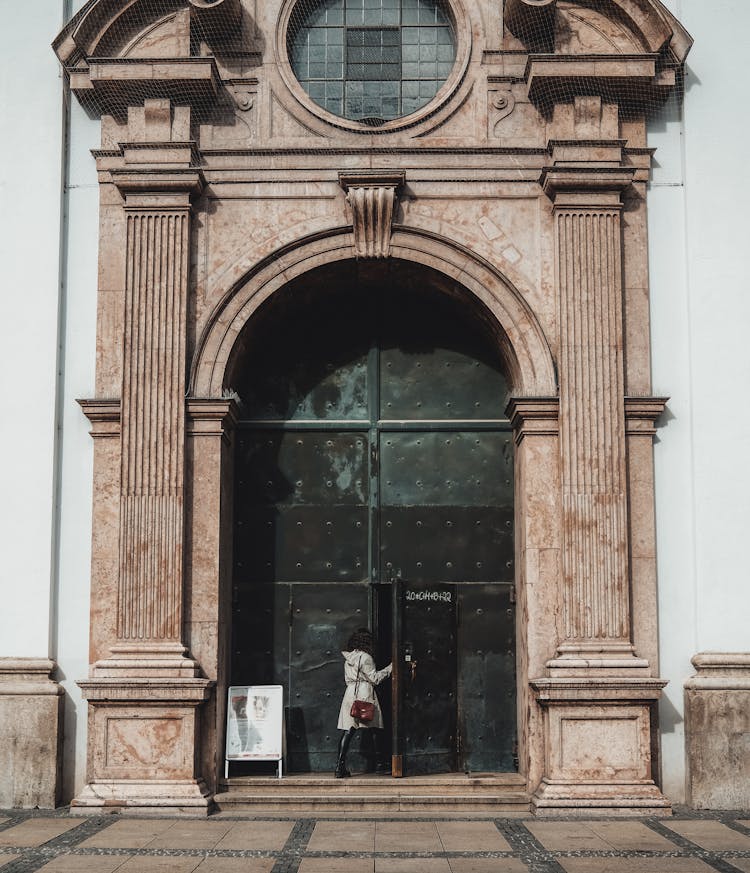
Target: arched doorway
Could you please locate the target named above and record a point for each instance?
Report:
(373, 444)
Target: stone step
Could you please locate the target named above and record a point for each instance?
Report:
(495, 794)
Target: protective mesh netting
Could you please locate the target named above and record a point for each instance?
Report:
(375, 62)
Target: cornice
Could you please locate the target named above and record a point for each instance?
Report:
(533, 416)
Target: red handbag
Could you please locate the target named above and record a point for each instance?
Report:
(361, 710)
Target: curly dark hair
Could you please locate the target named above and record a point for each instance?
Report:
(361, 640)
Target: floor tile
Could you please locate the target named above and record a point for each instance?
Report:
(711, 835)
(633, 865)
(406, 836)
(343, 836)
(487, 865)
(6, 859)
(128, 834)
(337, 865)
(36, 831)
(412, 865)
(471, 836)
(268, 835)
(740, 863)
(744, 822)
(631, 836)
(566, 836)
(3, 819)
(236, 865)
(160, 864)
(191, 835)
(85, 864)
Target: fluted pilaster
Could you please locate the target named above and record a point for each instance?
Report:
(152, 412)
(596, 609)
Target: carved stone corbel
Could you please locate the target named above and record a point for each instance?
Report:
(372, 198)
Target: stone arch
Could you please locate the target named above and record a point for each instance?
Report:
(531, 368)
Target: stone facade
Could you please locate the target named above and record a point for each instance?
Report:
(524, 183)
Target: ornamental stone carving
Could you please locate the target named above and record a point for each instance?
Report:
(372, 200)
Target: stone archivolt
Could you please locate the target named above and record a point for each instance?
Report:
(184, 202)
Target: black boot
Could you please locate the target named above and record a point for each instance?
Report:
(341, 772)
(382, 765)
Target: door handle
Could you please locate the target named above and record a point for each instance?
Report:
(413, 670)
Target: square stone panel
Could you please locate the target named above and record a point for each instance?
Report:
(740, 863)
(567, 836)
(160, 864)
(406, 836)
(37, 831)
(267, 835)
(191, 835)
(342, 836)
(128, 834)
(6, 859)
(85, 864)
(337, 865)
(633, 865)
(471, 836)
(412, 865)
(631, 836)
(487, 865)
(711, 835)
(236, 865)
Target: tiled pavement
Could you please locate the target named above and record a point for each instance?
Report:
(57, 842)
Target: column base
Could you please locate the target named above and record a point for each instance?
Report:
(599, 798)
(153, 797)
(598, 756)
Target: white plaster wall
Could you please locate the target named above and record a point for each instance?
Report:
(30, 225)
(76, 454)
(48, 253)
(700, 292)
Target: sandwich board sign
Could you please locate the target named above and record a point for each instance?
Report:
(255, 724)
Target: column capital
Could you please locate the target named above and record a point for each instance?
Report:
(104, 415)
(153, 189)
(211, 416)
(576, 187)
(533, 416)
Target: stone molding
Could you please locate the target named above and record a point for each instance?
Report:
(642, 413)
(533, 416)
(213, 417)
(104, 416)
(372, 200)
(31, 734)
(720, 670)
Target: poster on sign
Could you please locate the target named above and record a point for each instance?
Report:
(255, 720)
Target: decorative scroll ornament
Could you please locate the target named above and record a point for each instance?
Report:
(372, 198)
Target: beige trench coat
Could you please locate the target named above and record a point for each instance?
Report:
(362, 663)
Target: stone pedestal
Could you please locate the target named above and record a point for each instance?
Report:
(143, 758)
(31, 719)
(717, 731)
(598, 754)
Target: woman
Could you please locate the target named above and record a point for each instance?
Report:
(361, 677)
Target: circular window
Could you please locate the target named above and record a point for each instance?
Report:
(371, 61)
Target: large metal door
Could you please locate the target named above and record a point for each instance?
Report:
(374, 440)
